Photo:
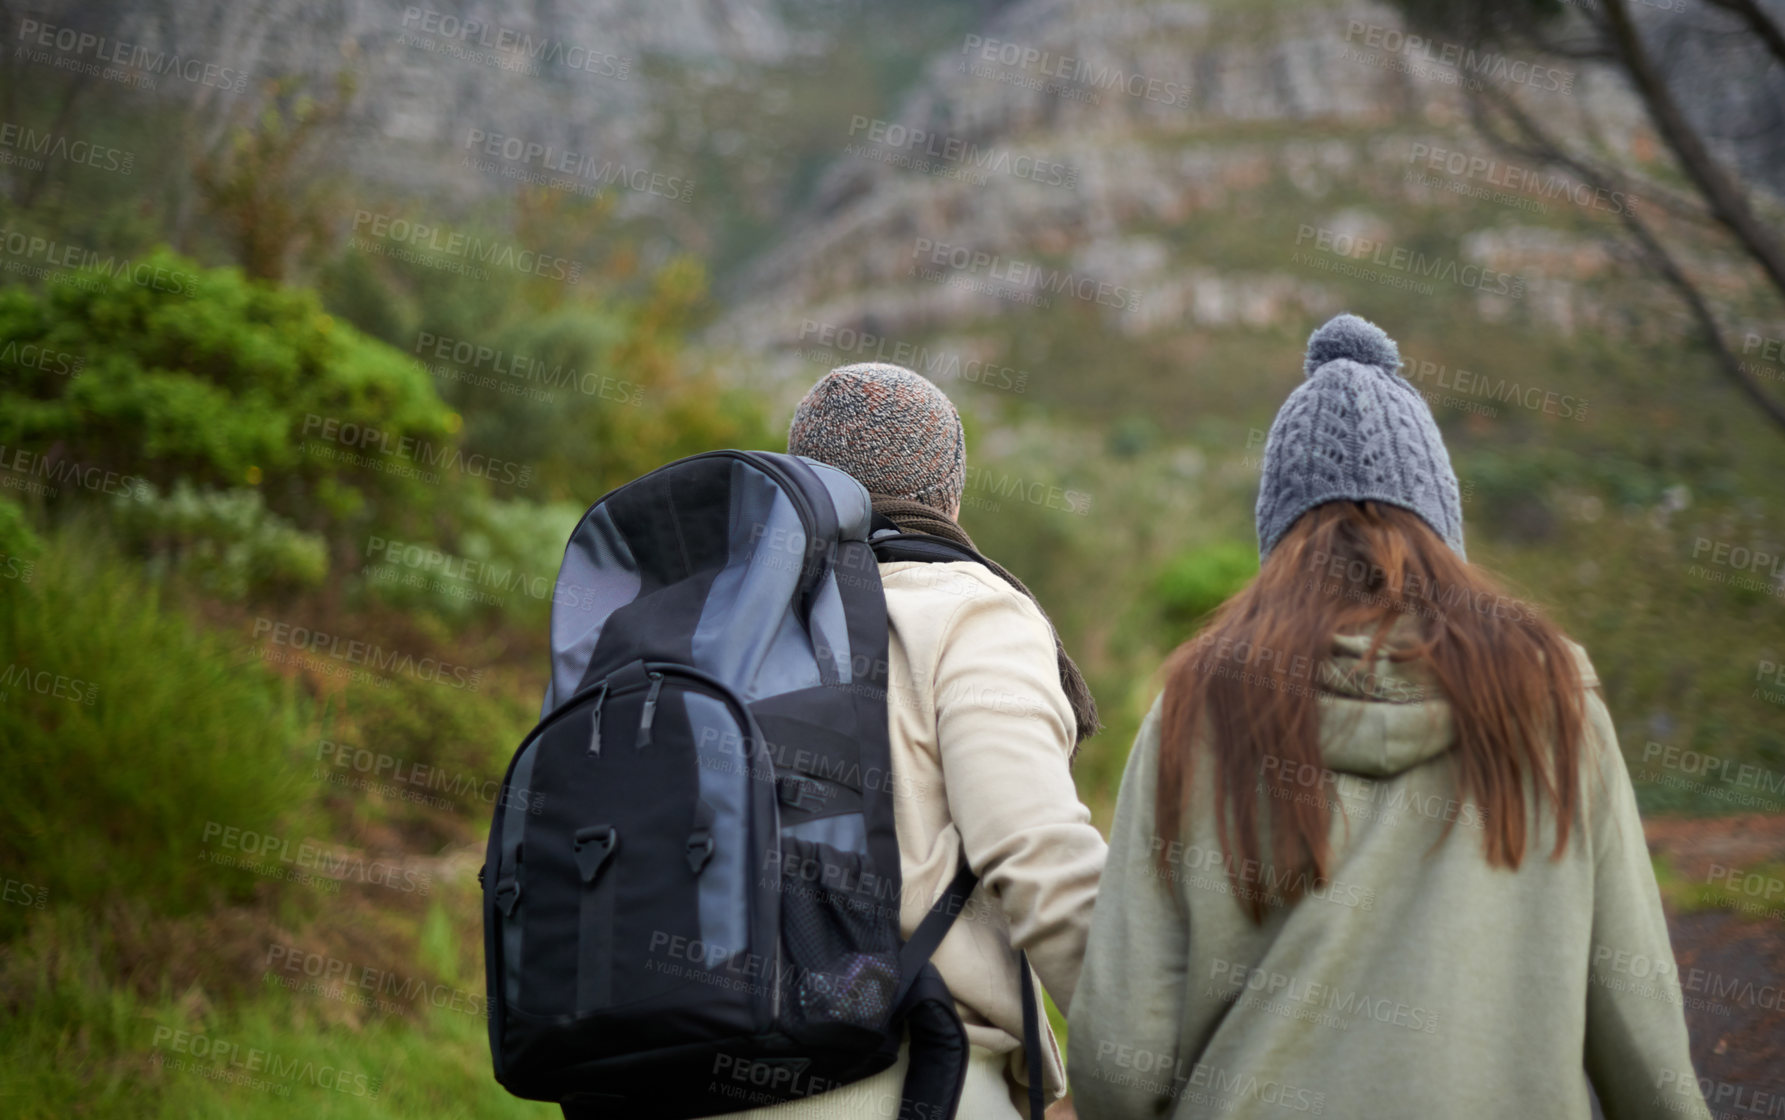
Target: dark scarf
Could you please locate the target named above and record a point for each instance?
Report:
(915, 517)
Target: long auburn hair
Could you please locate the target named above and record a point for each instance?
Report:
(1247, 687)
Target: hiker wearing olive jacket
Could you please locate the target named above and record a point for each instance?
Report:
(986, 711)
(1376, 852)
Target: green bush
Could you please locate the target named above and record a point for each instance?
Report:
(220, 380)
(19, 544)
(504, 560)
(128, 734)
(1199, 581)
(225, 541)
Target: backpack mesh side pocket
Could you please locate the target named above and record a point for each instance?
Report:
(839, 940)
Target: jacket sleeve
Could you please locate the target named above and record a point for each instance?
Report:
(1637, 1053)
(1122, 1048)
(1005, 733)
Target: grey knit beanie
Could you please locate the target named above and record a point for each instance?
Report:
(888, 428)
(1355, 431)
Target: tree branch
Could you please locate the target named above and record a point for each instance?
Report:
(1540, 145)
(1728, 203)
(1758, 21)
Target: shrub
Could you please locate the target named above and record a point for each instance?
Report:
(1199, 581)
(225, 541)
(126, 731)
(223, 381)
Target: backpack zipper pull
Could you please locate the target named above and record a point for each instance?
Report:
(595, 725)
(649, 715)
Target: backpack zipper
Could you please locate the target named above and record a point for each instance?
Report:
(649, 715)
(595, 726)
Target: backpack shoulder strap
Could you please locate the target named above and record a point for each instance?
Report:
(890, 543)
(922, 998)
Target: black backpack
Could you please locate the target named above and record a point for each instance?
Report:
(692, 888)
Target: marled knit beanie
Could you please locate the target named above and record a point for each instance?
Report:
(1355, 431)
(888, 428)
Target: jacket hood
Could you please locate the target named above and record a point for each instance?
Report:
(1380, 717)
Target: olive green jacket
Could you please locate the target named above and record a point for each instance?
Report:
(1419, 981)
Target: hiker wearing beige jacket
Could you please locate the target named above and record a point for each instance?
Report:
(1376, 851)
(985, 712)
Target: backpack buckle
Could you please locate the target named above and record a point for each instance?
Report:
(700, 849)
(796, 791)
(594, 846)
(508, 895)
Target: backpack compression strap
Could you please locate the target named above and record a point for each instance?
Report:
(938, 1068)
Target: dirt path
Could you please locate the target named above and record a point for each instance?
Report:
(1732, 967)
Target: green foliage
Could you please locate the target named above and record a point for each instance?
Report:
(127, 730)
(504, 560)
(222, 381)
(226, 541)
(1197, 582)
(74, 1043)
(19, 543)
(262, 188)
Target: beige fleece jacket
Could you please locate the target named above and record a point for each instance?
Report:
(981, 734)
(1420, 982)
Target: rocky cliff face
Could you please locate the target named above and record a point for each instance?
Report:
(1176, 166)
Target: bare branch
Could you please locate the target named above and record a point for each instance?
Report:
(1759, 22)
(1676, 278)
(1538, 144)
(1727, 201)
